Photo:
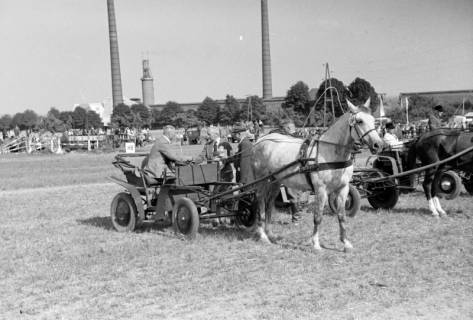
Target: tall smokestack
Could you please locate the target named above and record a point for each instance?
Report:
(117, 93)
(267, 86)
(147, 84)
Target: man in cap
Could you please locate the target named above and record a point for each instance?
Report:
(435, 117)
(162, 155)
(244, 170)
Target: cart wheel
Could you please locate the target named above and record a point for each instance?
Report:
(352, 204)
(448, 185)
(123, 212)
(385, 198)
(185, 218)
(468, 183)
(246, 212)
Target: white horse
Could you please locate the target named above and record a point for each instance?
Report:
(332, 153)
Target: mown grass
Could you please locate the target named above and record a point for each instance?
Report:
(62, 259)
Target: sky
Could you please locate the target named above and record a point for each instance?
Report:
(55, 53)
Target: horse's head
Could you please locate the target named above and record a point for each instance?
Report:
(362, 128)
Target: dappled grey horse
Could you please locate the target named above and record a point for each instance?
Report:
(328, 172)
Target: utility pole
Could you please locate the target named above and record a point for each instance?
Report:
(249, 109)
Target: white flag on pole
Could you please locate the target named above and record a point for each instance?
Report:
(407, 109)
(382, 114)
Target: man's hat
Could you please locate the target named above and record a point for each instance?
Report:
(389, 125)
(438, 108)
(238, 129)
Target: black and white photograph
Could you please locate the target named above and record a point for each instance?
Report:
(252, 159)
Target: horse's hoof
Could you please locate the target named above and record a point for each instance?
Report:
(274, 238)
(264, 239)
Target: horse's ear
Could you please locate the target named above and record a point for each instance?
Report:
(352, 107)
(367, 103)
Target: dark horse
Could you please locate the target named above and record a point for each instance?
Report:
(437, 145)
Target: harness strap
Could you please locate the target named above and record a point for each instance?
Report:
(303, 155)
(308, 168)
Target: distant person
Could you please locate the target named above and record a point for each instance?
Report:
(162, 155)
(256, 129)
(244, 170)
(209, 152)
(224, 151)
(390, 137)
(435, 117)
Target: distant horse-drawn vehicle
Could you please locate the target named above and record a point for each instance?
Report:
(441, 160)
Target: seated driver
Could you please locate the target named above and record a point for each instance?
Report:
(162, 155)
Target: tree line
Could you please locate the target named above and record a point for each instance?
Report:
(54, 120)
(328, 102)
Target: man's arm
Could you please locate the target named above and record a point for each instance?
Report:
(169, 154)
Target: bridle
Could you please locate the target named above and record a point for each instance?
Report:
(353, 125)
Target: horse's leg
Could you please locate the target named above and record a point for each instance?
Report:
(435, 198)
(259, 228)
(427, 185)
(340, 200)
(439, 207)
(320, 199)
(273, 192)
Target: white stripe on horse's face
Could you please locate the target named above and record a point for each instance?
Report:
(364, 124)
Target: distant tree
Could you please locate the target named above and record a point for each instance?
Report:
(5, 122)
(168, 114)
(397, 114)
(142, 115)
(93, 120)
(54, 112)
(66, 118)
(224, 116)
(297, 98)
(361, 90)
(25, 120)
(339, 92)
(186, 119)
(79, 118)
(257, 107)
(420, 107)
(122, 116)
(230, 110)
(51, 123)
(466, 105)
(208, 111)
(155, 117)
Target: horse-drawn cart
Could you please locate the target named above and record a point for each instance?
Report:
(386, 175)
(182, 199)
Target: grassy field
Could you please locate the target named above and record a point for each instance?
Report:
(61, 259)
